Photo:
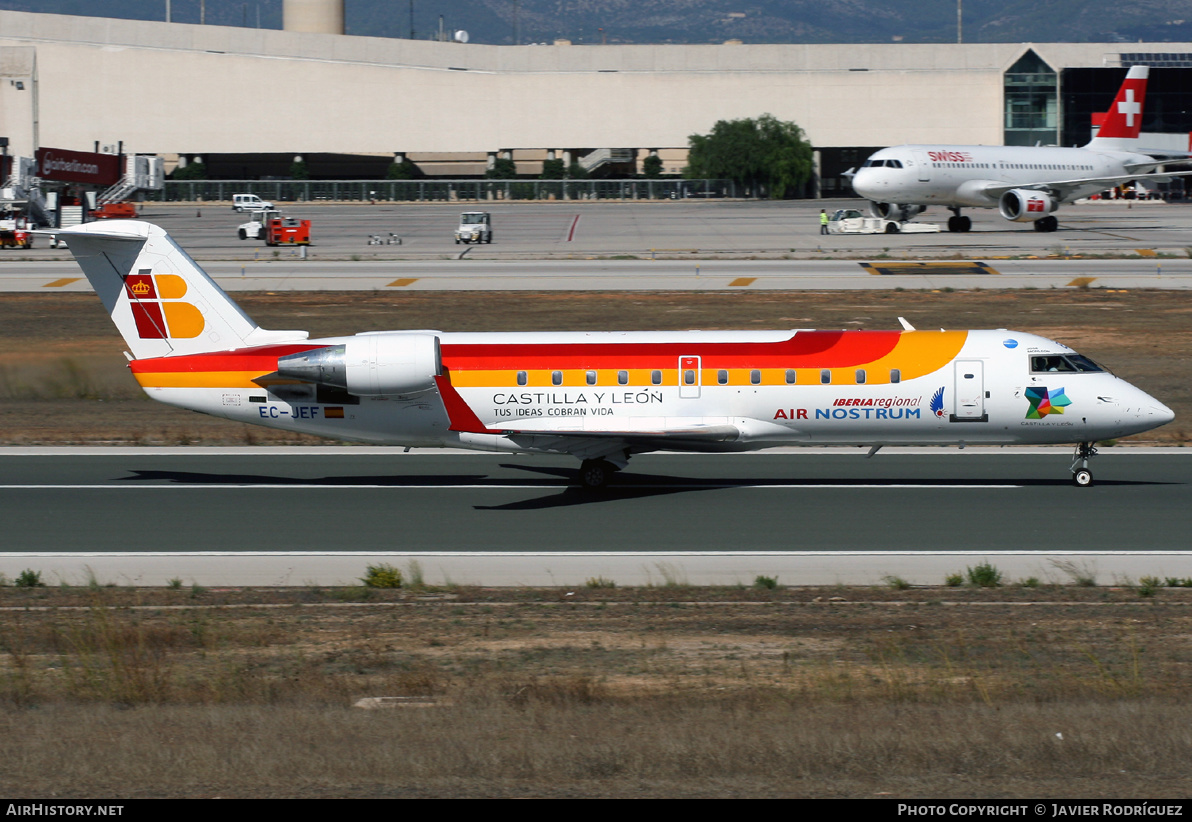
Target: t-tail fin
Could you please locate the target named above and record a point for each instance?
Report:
(1123, 121)
(161, 300)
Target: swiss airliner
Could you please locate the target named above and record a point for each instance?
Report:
(1025, 183)
(600, 397)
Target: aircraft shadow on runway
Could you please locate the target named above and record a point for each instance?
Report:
(627, 486)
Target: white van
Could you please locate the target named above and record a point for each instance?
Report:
(249, 202)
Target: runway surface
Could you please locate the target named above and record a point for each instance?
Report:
(813, 516)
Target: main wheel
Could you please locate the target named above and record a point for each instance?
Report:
(1082, 478)
(965, 223)
(595, 474)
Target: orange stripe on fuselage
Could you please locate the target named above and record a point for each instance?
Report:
(226, 369)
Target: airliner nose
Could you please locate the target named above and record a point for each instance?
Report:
(1161, 413)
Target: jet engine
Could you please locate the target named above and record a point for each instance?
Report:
(895, 211)
(1021, 205)
(370, 364)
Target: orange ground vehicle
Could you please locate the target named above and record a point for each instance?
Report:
(287, 231)
(275, 229)
(115, 211)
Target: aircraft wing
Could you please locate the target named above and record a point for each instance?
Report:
(1069, 189)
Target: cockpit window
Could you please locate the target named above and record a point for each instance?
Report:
(1070, 363)
(882, 164)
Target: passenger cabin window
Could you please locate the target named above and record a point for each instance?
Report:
(591, 377)
(556, 378)
(1070, 363)
(755, 377)
(860, 376)
(521, 378)
(825, 376)
(655, 378)
(791, 376)
(622, 378)
(722, 377)
(895, 375)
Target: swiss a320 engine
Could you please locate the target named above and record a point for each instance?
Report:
(1023, 206)
(370, 364)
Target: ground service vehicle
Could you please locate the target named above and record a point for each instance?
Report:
(599, 396)
(275, 229)
(852, 221)
(474, 227)
(249, 202)
(15, 231)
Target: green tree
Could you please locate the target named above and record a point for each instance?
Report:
(503, 169)
(552, 169)
(652, 166)
(192, 171)
(298, 170)
(765, 156)
(405, 170)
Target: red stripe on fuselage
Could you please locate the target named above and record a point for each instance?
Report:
(818, 349)
(262, 358)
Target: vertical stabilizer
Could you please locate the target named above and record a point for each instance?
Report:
(1123, 121)
(161, 300)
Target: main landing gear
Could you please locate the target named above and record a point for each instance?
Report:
(1082, 477)
(595, 474)
(1047, 224)
(958, 224)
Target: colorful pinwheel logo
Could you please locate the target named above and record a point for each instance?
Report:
(1045, 401)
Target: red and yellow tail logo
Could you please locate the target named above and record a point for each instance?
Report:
(158, 307)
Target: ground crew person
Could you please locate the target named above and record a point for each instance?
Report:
(823, 222)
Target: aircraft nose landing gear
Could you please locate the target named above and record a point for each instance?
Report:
(1082, 477)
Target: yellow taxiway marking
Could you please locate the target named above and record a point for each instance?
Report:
(1145, 252)
(743, 281)
(404, 281)
(1081, 282)
(62, 282)
(902, 269)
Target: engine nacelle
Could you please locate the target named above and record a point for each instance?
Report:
(1021, 205)
(370, 364)
(895, 211)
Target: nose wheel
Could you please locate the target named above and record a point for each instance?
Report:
(1082, 477)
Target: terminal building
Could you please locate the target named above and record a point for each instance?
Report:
(248, 102)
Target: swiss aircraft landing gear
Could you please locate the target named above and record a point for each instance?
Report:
(958, 224)
(1047, 224)
(1082, 477)
(595, 474)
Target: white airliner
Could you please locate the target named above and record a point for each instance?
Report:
(1025, 183)
(600, 397)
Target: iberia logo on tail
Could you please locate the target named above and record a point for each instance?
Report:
(158, 308)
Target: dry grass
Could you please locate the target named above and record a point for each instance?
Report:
(623, 692)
